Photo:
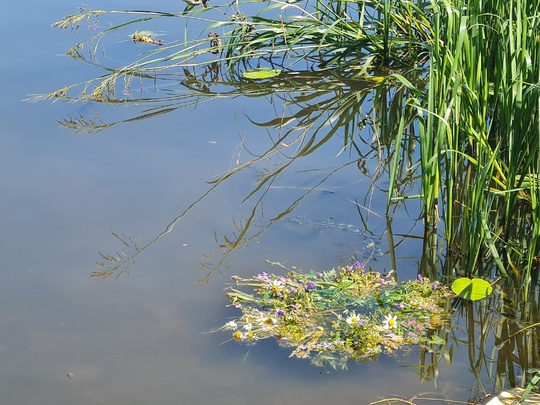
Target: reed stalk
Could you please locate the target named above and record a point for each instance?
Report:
(455, 85)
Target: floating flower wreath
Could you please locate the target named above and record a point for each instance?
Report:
(337, 315)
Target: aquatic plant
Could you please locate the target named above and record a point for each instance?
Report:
(455, 90)
(454, 85)
(482, 116)
(501, 333)
(294, 36)
(347, 313)
(471, 289)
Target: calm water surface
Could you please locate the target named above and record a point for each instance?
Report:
(140, 339)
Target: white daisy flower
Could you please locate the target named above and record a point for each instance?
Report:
(390, 322)
(276, 286)
(231, 325)
(353, 319)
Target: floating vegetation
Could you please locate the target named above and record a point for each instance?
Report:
(337, 315)
(472, 289)
(261, 73)
(145, 38)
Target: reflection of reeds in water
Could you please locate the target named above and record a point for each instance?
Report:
(517, 339)
(465, 137)
(465, 127)
(503, 339)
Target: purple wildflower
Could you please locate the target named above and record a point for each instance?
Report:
(280, 312)
(263, 276)
(420, 278)
(356, 266)
(435, 286)
(310, 286)
(359, 266)
(319, 275)
(400, 306)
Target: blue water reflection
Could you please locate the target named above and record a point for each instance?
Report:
(68, 339)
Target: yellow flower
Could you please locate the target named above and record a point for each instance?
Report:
(270, 321)
(238, 335)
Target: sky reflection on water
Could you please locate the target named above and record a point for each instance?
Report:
(140, 339)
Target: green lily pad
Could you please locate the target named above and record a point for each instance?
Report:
(262, 73)
(472, 289)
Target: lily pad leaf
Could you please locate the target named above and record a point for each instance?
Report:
(261, 73)
(472, 289)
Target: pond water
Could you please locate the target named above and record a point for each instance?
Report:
(141, 339)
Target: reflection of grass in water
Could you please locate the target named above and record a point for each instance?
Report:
(472, 112)
(422, 398)
(466, 127)
(501, 338)
(324, 103)
(343, 35)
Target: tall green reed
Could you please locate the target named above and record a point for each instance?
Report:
(458, 78)
(479, 136)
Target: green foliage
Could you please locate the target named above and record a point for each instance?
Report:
(455, 86)
(484, 120)
(338, 35)
(345, 313)
(472, 289)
